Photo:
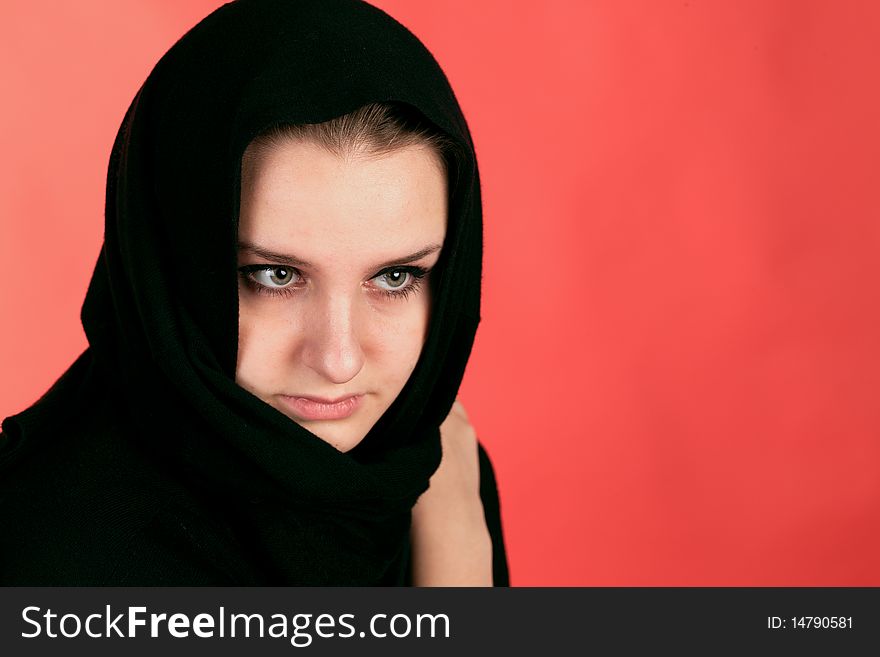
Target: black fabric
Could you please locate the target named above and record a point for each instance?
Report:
(146, 463)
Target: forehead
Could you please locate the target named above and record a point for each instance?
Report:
(300, 198)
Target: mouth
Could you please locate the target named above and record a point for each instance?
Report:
(315, 408)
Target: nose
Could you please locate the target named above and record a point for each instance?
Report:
(332, 344)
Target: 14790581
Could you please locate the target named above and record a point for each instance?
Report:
(809, 622)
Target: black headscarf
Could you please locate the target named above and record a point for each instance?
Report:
(225, 477)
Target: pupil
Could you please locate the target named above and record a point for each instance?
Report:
(397, 276)
(281, 274)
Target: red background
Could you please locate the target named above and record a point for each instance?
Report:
(677, 370)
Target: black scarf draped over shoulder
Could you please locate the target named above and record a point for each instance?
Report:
(146, 463)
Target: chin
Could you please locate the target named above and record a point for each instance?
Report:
(342, 438)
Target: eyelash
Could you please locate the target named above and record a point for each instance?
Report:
(417, 279)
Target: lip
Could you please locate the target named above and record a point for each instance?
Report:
(316, 408)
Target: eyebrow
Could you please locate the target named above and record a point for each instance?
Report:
(293, 261)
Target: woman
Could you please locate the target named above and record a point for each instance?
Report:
(293, 219)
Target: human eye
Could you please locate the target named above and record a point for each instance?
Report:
(273, 280)
(400, 282)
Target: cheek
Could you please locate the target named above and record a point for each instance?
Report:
(262, 339)
(246, 359)
(402, 341)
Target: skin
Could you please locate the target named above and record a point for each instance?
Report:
(450, 540)
(325, 329)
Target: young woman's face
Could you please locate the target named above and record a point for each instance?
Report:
(334, 300)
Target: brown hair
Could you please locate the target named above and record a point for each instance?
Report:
(372, 130)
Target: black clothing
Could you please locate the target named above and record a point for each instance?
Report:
(146, 463)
